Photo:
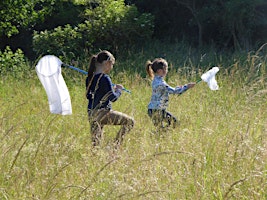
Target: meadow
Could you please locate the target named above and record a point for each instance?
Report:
(218, 151)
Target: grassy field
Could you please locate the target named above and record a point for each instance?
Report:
(219, 150)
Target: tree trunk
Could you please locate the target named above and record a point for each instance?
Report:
(191, 5)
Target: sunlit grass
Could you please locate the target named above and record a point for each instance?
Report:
(217, 152)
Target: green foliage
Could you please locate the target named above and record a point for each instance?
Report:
(237, 24)
(60, 41)
(22, 14)
(63, 12)
(116, 24)
(13, 63)
(107, 25)
(119, 24)
(236, 21)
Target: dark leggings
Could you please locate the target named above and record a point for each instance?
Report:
(162, 118)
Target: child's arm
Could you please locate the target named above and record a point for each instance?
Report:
(180, 89)
(111, 93)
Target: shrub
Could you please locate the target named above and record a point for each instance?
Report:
(59, 41)
(116, 24)
(12, 63)
(107, 24)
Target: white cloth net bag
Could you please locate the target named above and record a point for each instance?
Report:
(209, 78)
(49, 73)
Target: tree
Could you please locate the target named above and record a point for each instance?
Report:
(113, 22)
(19, 19)
(107, 24)
(195, 6)
(20, 14)
(238, 19)
(237, 24)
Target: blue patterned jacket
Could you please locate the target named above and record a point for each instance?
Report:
(160, 93)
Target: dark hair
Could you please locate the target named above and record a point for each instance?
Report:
(153, 67)
(98, 58)
(103, 56)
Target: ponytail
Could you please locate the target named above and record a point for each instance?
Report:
(91, 71)
(149, 69)
(92, 67)
(153, 67)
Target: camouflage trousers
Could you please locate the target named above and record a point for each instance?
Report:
(100, 117)
(162, 118)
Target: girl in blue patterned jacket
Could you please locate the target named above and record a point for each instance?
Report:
(158, 104)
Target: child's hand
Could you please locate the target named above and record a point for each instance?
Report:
(190, 85)
(118, 87)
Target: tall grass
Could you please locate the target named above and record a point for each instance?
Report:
(218, 151)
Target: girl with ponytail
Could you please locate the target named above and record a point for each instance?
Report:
(100, 93)
(157, 107)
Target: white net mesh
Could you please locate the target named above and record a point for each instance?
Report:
(209, 78)
(49, 73)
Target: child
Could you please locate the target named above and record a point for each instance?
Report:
(100, 92)
(157, 70)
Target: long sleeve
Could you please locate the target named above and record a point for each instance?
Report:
(101, 93)
(161, 91)
(107, 89)
(176, 90)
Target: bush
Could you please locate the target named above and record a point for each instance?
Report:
(60, 41)
(106, 25)
(116, 24)
(13, 63)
